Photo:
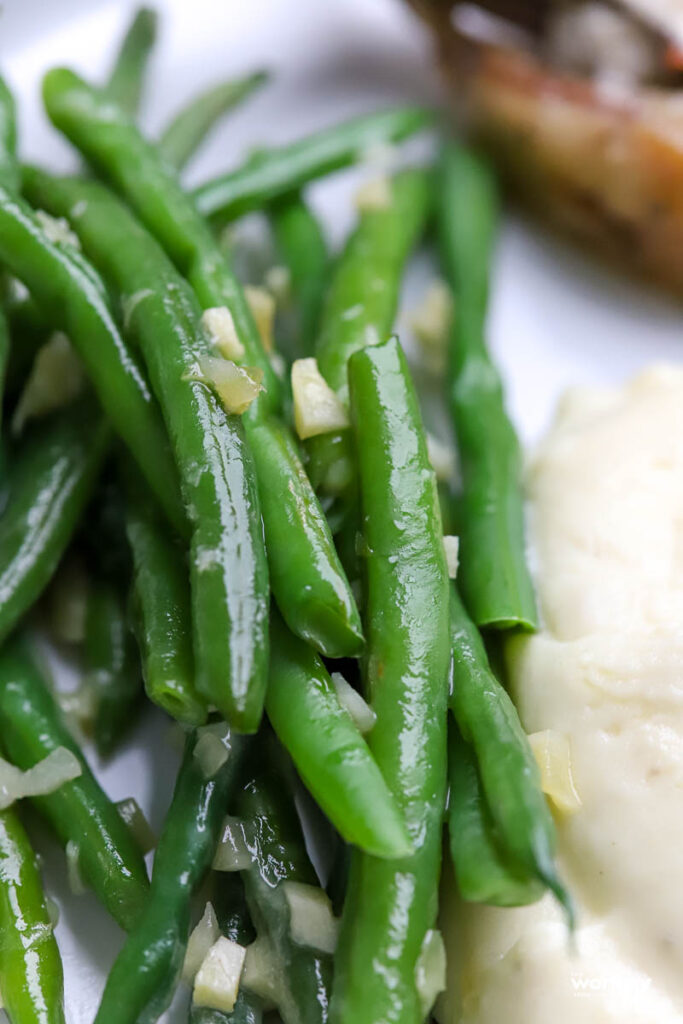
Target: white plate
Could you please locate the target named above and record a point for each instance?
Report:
(556, 320)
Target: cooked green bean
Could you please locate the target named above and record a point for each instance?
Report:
(483, 872)
(72, 299)
(50, 482)
(31, 725)
(311, 589)
(509, 774)
(276, 844)
(162, 615)
(270, 174)
(144, 976)
(112, 664)
(493, 574)
(9, 168)
(303, 251)
(183, 136)
(330, 754)
(31, 977)
(406, 669)
(228, 570)
(127, 76)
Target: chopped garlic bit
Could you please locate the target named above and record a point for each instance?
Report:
(56, 378)
(137, 823)
(212, 748)
(60, 766)
(311, 920)
(430, 970)
(236, 386)
(375, 194)
(57, 229)
(552, 752)
(204, 935)
(79, 707)
(380, 155)
(73, 871)
(431, 321)
(361, 712)
(451, 545)
(68, 599)
(317, 409)
(442, 458)
(232, 853)
(220, 327)
(217, 981)
(278, 281)
(262, 305)
(262, 972)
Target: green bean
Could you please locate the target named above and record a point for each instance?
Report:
(112, 664)
(493, 574)
(509, 774)
(161, 607)
(127, 76)
(228, 568)
(9, 168)
(303, 250)
(330, 754)
(144, 976)
(276, 844)
(31, 725)
(70, 298)
(51, 480)
(27, 332)
(4, 357)
(31, 978)
(312, 588)
(392, 904)
(184, 134)
(483, 871)
(270, 174)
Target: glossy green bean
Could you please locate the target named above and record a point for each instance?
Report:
(9, 169)
(31, 977)
(493, 574)
(162, 613)
(270, 174)
(392, 904)
(483, 871)
(80, 813)
(111, 663)
(330, 754)
(509, 774)
(185, 133)
(127, 76)
(228, 570)
(144, 976)
(51, 479)
(276, 844)
(113, 144)
(72, 298)
(303, 250)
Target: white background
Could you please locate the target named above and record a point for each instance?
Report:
(557, 319)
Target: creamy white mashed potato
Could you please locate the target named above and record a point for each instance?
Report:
(606, 503)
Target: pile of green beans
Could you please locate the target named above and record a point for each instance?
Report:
(231, 573)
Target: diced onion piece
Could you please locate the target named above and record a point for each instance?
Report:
(232, 853)
(552, 752)
(278, 281)
(218, 979)
(361, 712)
(317, 409)
(451, 546)
(442, 458)
(68, 600)
(375, 194)
(430, 970)
(73, 871)
(261, 973)
(56, 378)
(60, 766)
(431, 321)
(212, 747)
(220, 327)
(262, 305)
(312, 922)
(202, 938)
(57, 229)
(236, 386)
(130, 811)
